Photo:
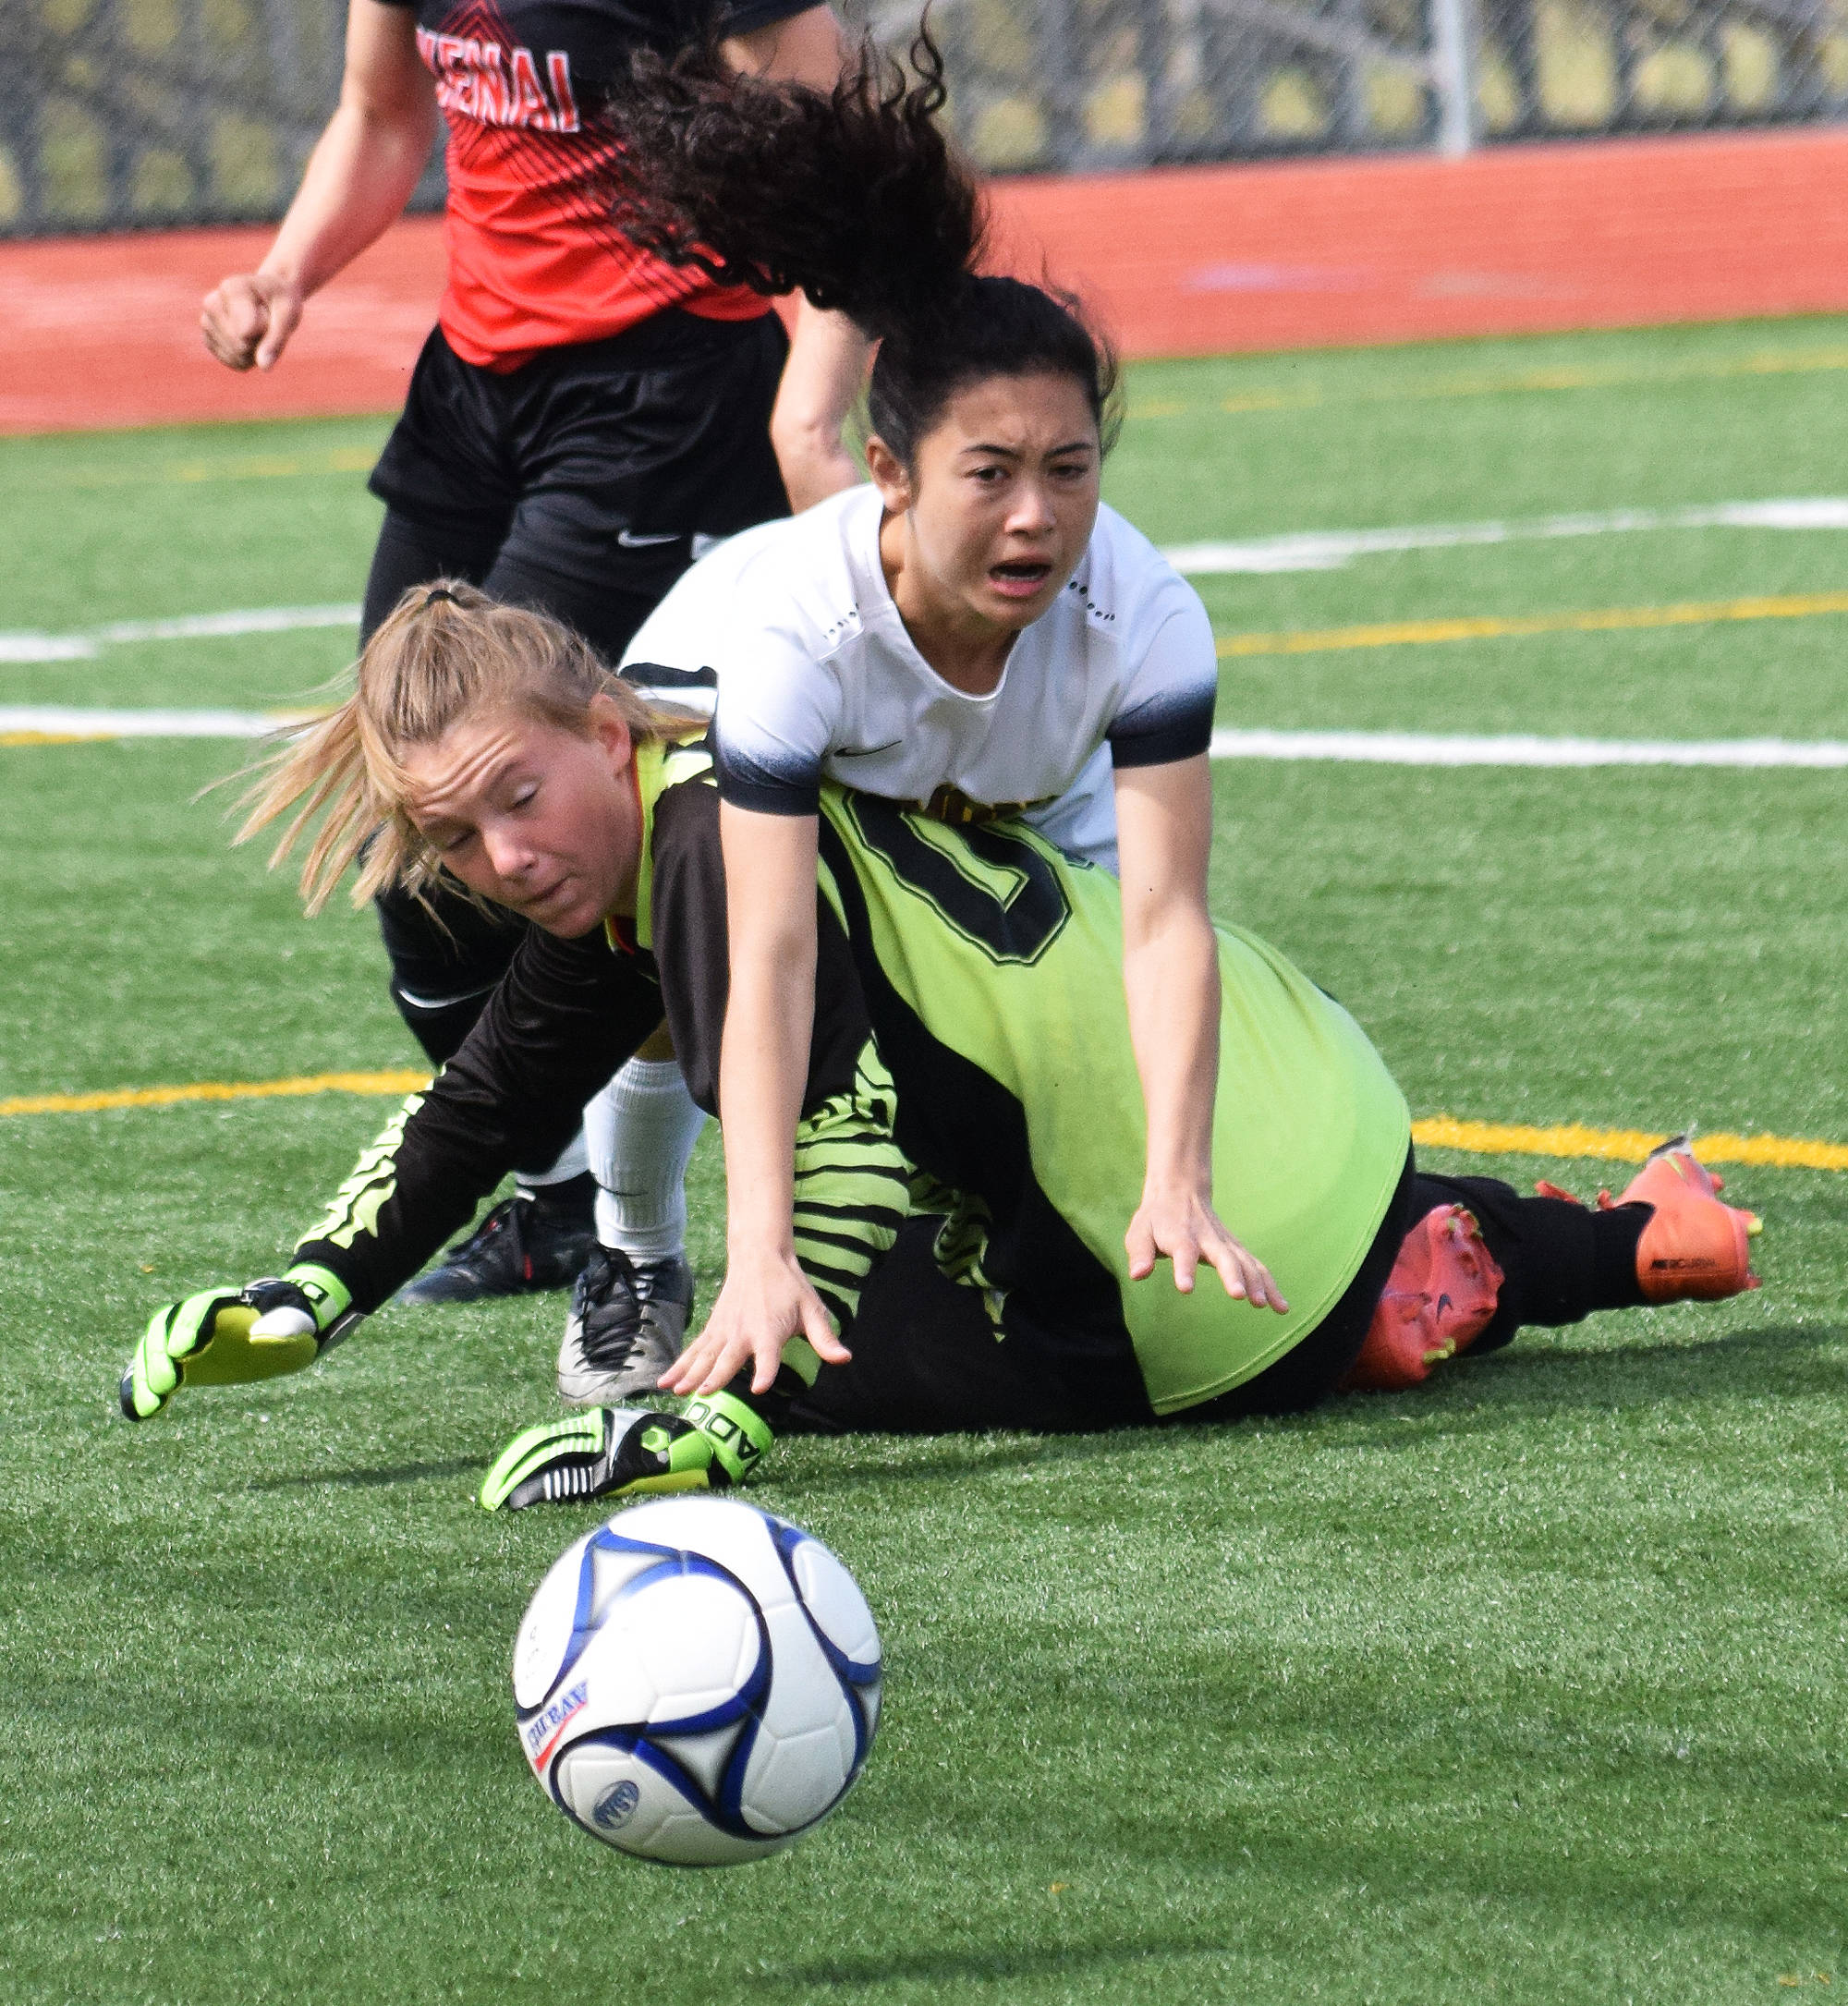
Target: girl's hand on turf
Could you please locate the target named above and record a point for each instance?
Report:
(766, 1300)
(247, 319)
(1182, 1224)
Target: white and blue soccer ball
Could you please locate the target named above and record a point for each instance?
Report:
(696, 1682)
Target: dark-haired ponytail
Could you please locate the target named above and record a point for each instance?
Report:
(851, 196)
(854, 197)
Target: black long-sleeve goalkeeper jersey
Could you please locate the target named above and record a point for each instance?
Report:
(568, 1013)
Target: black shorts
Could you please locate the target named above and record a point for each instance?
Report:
(591, 470)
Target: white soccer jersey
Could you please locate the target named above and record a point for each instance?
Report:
(818, 678)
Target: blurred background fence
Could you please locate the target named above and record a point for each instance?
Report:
(1064, 84)
(128, 113)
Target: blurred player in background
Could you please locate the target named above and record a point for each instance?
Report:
(582, 419)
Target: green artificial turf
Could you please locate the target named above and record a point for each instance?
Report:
(1528, 1687)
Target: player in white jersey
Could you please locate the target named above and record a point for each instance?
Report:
(1119, 670)
(820, 677)
(966, 636)
(1122, 663)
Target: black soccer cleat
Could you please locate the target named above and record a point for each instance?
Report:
(528, 1243)
(628, 1324)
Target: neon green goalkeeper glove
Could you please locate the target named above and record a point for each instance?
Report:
(228, 1337)
(618, 1452)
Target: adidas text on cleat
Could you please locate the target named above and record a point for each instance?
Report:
(1438, 1299)
(626, 1326)
(524, 1245)
(1694, 1248)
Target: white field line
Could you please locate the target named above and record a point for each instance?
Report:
(1308, 550)
(88, 643)
(1521, 748)
(1330, 550)
(1374, 749)
(72, 721)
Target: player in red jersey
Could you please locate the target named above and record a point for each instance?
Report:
(582, 419)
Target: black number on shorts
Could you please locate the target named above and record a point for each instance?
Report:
(1016, 927)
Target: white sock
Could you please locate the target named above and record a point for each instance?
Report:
(641, 1130)
(573, 1163)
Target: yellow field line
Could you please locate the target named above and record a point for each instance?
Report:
(241, 467)
(1434, 1132)
(270, 466)
(209, 1090)
(1499, 627)
(1621, 1145)
(1518, 382)
(1768, 363)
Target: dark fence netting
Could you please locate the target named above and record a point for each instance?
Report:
(1060, 85)
(136, 113)
(128, 113)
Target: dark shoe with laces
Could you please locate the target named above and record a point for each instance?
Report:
(525, 1243)
(628, 1324)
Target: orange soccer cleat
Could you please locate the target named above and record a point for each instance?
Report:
(1438, 1299)
(1694, 1248)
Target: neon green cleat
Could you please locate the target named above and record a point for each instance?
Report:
(620, 1453)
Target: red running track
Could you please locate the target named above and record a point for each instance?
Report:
(103, 330)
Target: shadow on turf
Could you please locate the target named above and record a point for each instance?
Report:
(402, 1473)
(1533, 1376)
(1783, 1360)
(969, 1455)
(976, 1965)
(1511, 1386)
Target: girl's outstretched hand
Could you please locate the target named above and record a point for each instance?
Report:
(1182, 1225)
(766, 1300)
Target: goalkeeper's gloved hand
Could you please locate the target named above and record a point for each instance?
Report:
(618, 1452)
(227, 1337)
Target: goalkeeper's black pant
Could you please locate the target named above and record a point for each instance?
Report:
(927, 1359)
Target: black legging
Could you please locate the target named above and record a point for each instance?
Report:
(927, 1361)
(412, 553)
(579, 484)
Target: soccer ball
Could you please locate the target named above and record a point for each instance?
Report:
(696, 1682)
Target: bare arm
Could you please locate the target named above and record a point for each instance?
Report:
(827, 356)
(359, 178)
(820, 381)
(763, 1065)
(802, 48)
(1171, 975)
